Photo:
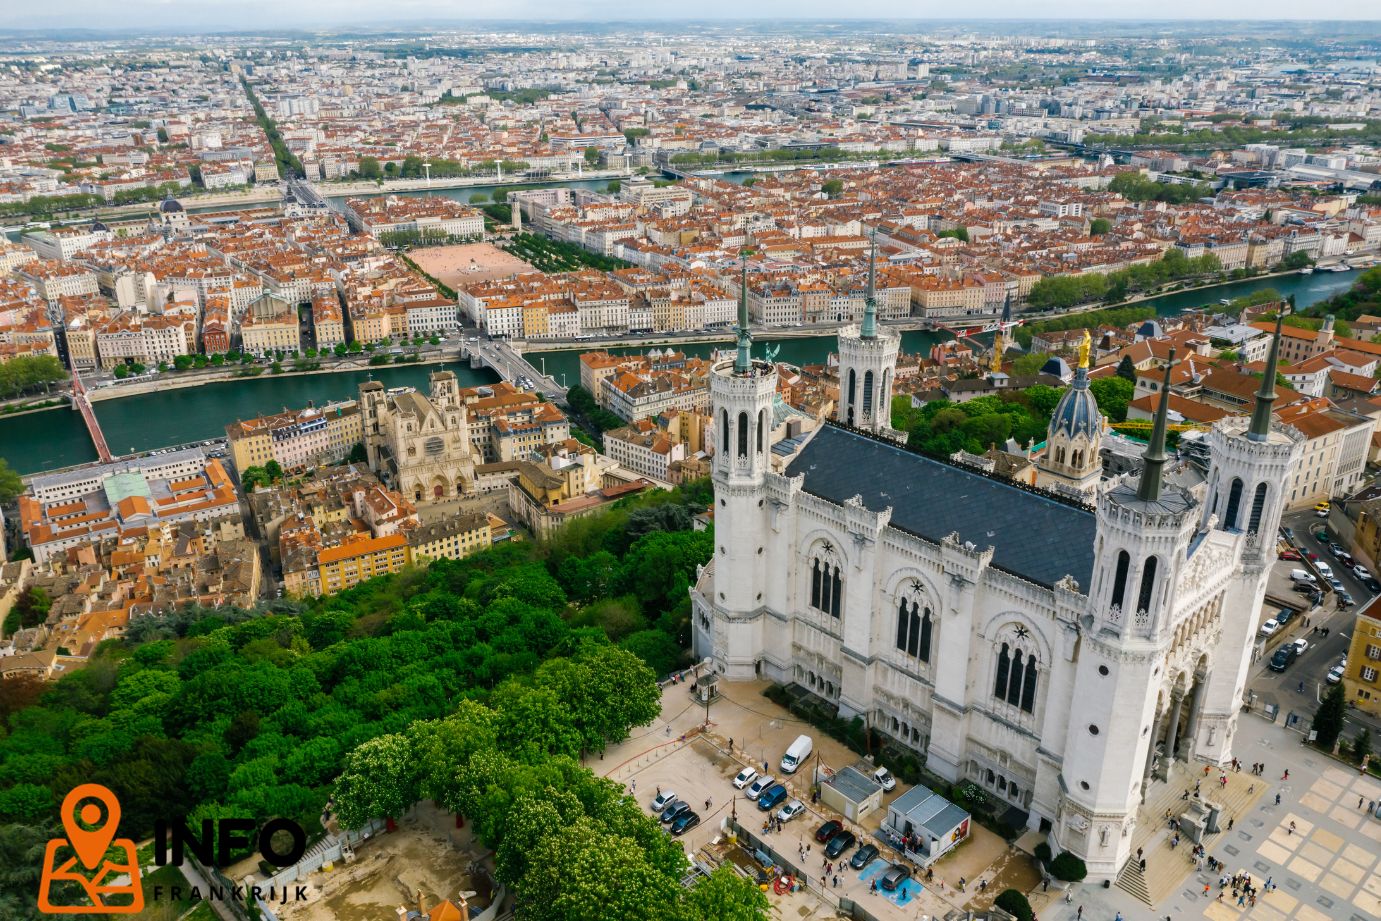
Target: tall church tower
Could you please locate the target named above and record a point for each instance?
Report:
(1071, 462)
(1250, 465)
(867, 365)
(1144, 531)
(741, 392)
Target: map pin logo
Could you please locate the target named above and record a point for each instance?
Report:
(90, 846)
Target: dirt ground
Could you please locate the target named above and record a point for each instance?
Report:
(675, 754)
(426, 852)
(455, 266)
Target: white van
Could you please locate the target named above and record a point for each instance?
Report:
(1299, 575)
(798, 752)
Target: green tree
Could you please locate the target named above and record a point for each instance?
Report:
(273, 471)
(479, 198)
(1126, 369)
(369, 168)
(1099, 226)
(1329, 717)
(11, 484)
(614, 187)
(381, 778)
(591, 156)
(724, 895)
(832, 188)
(1113, 395)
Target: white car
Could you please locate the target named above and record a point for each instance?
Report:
(1361, 571)
(759, 786)
(1324, 568)
(1335, 674)
(885, 779)
(663, 800)
(1301, 645)
(791, 810)
(745, 777)
(1269, 627)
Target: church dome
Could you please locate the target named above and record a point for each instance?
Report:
(1077, 412)
(169, 205)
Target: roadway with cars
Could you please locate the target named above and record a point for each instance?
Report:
(1283, 688)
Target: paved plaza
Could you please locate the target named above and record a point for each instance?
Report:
(1327, 869)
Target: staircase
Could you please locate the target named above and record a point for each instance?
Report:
(1167, 868)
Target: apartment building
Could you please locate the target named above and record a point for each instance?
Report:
(644, 449)
(1362, 677)
(422, 214)
(297, 438)
(359, 557)
(328, 321)
(63, 243)
(452, 538)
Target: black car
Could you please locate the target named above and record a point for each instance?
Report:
(1372, 584)
(828, 830)
(1345, 599)
(894, 877)
(863, 856)
(1283, 657)
(684, 823)
(1304, 588)
(1283, 616)
(839, 844)
(674, 811)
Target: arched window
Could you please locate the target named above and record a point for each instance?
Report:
(851, 396)
(1258, 507)
(815, 579)
(1148, 584)
(867, 393)
(924, 653)
(1078, 459)
(1028, 686)
(913, 629)
(903, 623)
(1004, 669)
(1234, 500)
(742, 434)
(837, 593)
(1014, 686)
(1119, 581)
(724, 424)
(762, 424)
(1059, 455)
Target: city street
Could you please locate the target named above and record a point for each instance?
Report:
(1282, 688)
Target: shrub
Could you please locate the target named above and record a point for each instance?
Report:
(1043, 853)
(1013, 902)
(1068, 867)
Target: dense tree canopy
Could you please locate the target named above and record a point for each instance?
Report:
(477, 683)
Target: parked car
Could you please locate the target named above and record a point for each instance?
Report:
(758, 787)
(1324, 569)
(1345, 600)
(839, 844)
(1336, 549)
(1300, 575)
(1335, 583)
(1335, 674)
(1301, 646)
(1321, 513)
(1288, 534)
(1288, 555)
(894, 877)
(674, 811)
(1283, 657)
(1321, 537)
(1269, 627)
(663, 800)
(885, 779)
(865, 855)
(684, 823)
(1304, 588)
(772, 797)
(1321, 506)
(828, 830)
(745, 777)
(1361, 572)
(791, 810)
(1372, 584)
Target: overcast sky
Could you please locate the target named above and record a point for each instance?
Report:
(268, 14)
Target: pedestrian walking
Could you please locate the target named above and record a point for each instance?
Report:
(1079, 915)
(1286, 775)
(731, 744)
(1143, 865)
(1277, 799)
(707, 804)
(635, 785)
(1230, 821)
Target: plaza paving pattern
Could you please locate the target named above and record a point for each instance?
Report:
(1327, 869)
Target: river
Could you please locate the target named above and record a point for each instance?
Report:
(57, 438)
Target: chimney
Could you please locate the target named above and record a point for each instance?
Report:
(421, 904)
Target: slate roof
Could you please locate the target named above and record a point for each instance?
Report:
(1034, 536)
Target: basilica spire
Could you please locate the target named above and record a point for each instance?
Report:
(743, 361)
(1151, 472)
(1266, 396)
(870, 300)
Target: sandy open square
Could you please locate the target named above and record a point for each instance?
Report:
(459, 265)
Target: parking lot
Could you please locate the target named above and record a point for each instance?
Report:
(674, 755)
(1298, 689)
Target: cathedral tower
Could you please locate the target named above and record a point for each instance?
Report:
(1250, 467)
(1144, 530)
(867, 365)
(741, 393)
(1071, 462)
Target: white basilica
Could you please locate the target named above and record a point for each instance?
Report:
(1058, 653)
